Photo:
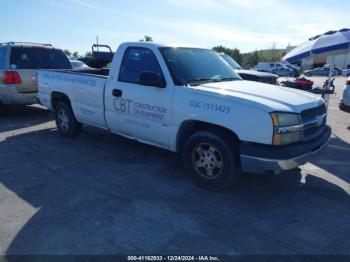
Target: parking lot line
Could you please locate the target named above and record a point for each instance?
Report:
(340, 148)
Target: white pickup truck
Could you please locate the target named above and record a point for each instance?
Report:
(190, 101)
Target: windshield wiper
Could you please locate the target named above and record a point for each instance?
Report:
(229, 79)
(200, 81)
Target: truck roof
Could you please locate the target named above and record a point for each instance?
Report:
(157, 45)
(29, 44)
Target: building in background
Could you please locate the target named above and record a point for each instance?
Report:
(340, 59)
(333, 47)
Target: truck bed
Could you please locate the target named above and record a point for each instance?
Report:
(103, 72)
(85, 89)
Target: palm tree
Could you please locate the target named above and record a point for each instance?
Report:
(147, 38)
(67, 52)
(75, 54)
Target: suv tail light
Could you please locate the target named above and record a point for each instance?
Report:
(348, 82)
(11, 78)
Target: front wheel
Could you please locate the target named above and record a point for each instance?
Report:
(212, 160)
(66, 121)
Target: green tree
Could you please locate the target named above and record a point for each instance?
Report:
(147, 38)
(250, 59)
(88, 53)
(234, 53)
(270, 55)
(67, 52)
(75, 54)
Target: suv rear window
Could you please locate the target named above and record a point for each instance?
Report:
(39, 58)
(2, 57)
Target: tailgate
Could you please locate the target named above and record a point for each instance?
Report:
(27, 85)
(26, 60)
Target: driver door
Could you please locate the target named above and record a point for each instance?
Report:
(135, 110)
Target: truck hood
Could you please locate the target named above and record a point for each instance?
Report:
(256, 73)
(264, 96)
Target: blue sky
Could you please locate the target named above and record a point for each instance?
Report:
(244, 24)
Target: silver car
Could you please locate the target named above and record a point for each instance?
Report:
(346, 72)
(18, 64)
(79, 65)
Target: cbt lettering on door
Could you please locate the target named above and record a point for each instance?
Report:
(122, 105)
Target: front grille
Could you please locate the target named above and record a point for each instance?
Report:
(313, 132)
(310, 115)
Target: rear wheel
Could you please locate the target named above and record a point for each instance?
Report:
(212, 160)
(66, 121)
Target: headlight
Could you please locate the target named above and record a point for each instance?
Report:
(286, 128)
(285, 119)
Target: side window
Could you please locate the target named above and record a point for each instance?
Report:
(137, 60)
(2, 57)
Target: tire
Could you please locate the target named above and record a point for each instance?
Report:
(211, 160)
(66, 121)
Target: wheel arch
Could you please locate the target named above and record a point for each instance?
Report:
(57, 97)
(189, 127)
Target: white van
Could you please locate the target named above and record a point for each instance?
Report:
(268, 66)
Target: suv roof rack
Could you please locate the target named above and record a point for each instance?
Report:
(13, 43)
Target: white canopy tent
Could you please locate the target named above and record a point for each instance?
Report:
(320, 44)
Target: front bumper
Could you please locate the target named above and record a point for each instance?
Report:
(258, 158)
(10, 96)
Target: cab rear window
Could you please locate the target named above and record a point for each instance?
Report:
(38, 58)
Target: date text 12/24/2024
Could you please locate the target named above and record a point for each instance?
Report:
(173, 258)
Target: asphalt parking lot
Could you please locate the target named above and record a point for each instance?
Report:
(103, 194)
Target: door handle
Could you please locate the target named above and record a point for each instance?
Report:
(117, 92)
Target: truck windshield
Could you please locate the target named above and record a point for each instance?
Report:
(39, 58)
(231, 61)
(193, 66)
